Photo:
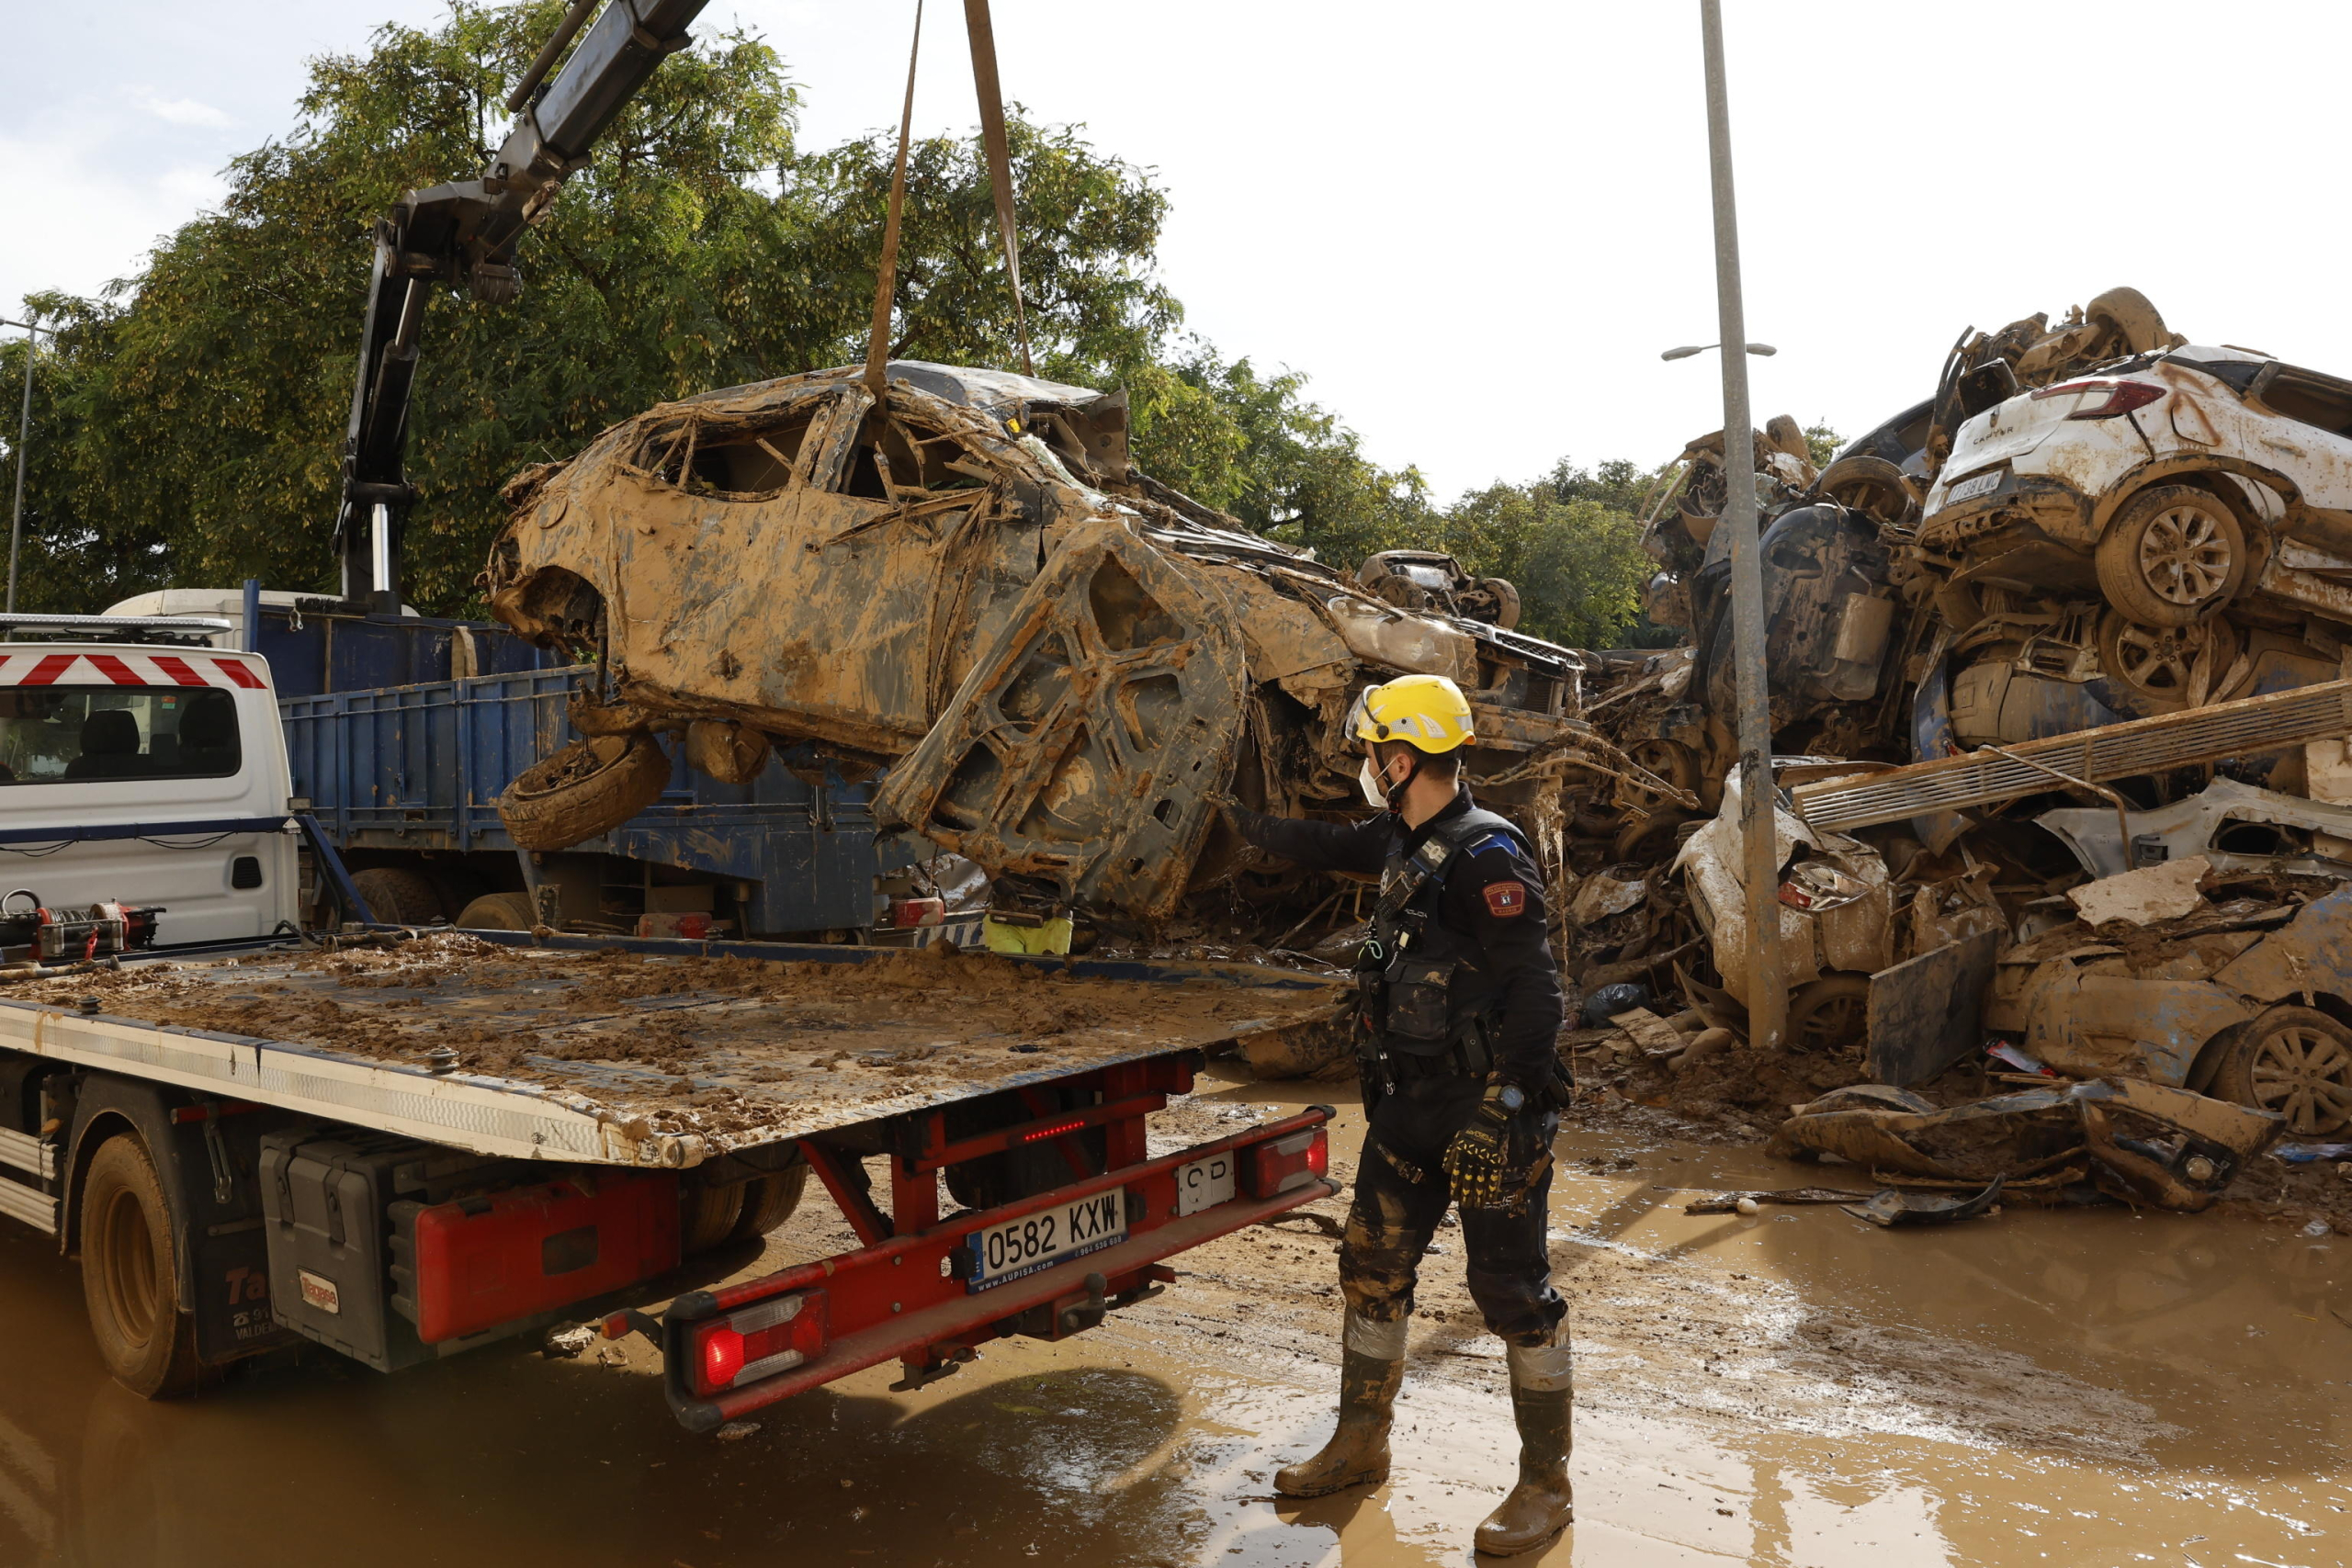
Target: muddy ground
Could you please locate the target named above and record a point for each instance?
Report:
(1793, 1388)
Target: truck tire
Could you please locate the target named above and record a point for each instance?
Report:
(397, 896)
(499, 912)
(590, 787)
(707, 1215)
(129, 1272)
(768, 1201)
(2174, 554)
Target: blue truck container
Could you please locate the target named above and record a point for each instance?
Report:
(402, 731)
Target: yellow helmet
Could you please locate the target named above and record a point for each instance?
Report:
(1424, 711)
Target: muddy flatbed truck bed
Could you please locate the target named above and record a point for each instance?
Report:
(411, 1146)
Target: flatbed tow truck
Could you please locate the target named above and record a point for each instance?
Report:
(403, 1144)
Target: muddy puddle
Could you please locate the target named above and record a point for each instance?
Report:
(1791, 1388)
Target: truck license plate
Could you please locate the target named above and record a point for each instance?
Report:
(1204, 1184)
(1050, 1236)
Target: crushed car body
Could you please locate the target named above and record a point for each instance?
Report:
(1060, 661)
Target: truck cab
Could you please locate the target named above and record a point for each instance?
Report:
(140, 765)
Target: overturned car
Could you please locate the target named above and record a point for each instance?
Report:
(1060, 660)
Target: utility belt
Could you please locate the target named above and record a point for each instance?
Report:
(1468, 1057)
(1405, 1028)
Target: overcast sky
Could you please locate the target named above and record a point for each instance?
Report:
(1473, 225)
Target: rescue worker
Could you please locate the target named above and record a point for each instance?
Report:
(1459, 1008)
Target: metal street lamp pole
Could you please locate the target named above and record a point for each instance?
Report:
(24, 434)
(1767, 998)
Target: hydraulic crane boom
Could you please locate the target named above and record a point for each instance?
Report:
(463, 234)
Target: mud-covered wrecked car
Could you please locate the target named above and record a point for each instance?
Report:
(1058, 659)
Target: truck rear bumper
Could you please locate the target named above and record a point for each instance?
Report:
(903, 1299)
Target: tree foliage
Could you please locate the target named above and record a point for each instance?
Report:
(190, 420)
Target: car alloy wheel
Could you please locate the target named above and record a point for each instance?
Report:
(2174, 554)
(2296, 1061)
(2159, 665)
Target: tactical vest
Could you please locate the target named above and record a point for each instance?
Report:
(1424, 987)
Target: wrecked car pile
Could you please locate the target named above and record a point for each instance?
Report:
(2060, 717)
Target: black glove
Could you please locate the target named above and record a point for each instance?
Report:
(1478, 1154)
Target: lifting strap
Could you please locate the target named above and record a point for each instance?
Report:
(886, 276)
(992, 139)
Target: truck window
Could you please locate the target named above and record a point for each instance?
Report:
(89, 734)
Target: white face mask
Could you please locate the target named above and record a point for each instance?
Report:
(1375, 788)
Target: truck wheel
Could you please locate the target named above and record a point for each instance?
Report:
(129, 1274)
(708, 1216)
(397, 896)
(2294, 1060)
(2174, 554)
(590, 787)
(499, 912)
(768, 1201)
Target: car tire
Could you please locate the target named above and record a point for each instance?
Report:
(1869, 485)
(2293, 1060)
(2154, 665)
(397, 896)
(1670, 761)
(590, 787)
(1829, 1017)
(768, 1201)
(499, 912)
(2174, 554)
(129, 1274)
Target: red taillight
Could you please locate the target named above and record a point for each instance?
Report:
(1279, 1164)
(1053, 1130)
(2121, 398)
(760, 1341)
(722, 1357)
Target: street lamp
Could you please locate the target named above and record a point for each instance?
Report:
(1767, 1000)
(24, 434)
(1765, 349)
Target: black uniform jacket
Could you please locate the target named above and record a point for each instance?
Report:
(1493, 896)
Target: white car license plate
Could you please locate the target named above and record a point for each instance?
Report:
(1049, 1236)
(1204, 1184)
(1971, 488)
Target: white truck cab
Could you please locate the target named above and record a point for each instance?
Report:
(141, 765)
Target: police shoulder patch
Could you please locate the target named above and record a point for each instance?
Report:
(1505, 899)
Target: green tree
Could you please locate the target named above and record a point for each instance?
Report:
(191, 419)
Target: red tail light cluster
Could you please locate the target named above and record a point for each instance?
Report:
(2121, 398)
(759, 1341)
(1279, 1164)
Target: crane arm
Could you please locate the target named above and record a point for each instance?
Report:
(463, 235)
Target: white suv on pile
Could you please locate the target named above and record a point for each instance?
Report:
(2173, 483)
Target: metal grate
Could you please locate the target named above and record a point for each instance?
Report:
(2119, 751)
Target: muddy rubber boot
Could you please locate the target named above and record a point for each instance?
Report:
(1371, 1367)
(1539, 1506)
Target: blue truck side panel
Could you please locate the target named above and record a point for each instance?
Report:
(417, 763)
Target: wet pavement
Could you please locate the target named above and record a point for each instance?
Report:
(1793, 1388)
